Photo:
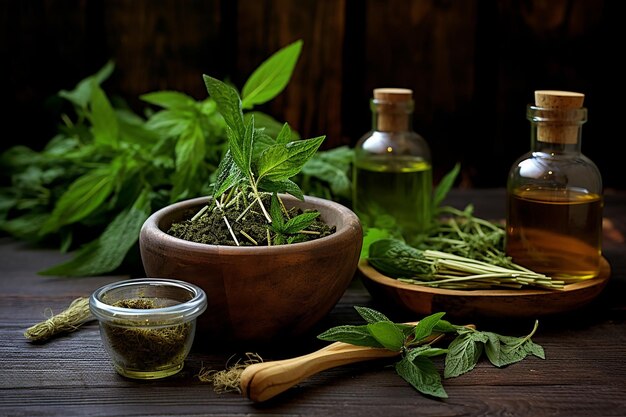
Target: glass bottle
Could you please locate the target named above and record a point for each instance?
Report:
(554, 194)
(392, 170)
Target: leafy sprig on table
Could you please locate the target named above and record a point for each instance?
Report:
(94, 184)
(415, 345)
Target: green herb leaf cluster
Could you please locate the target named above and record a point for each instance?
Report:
(256, 163)
(415, 345)
(108, 168)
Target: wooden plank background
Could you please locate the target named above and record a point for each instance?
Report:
(473, 65)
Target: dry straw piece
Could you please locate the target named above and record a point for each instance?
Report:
(68, 320)
(229, 379)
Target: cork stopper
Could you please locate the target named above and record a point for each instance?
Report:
(562, 130)
(395, 106)
(393, 95)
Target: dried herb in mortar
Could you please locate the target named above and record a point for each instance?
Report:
(250, 227)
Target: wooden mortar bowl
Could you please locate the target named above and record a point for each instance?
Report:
(257, 294)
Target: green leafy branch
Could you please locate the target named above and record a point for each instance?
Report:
(254, 161)
(415, 344)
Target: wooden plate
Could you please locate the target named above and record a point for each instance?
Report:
(484, 303)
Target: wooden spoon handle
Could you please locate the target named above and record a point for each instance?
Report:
(262, 381)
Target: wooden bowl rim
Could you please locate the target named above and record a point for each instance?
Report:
(350, 227)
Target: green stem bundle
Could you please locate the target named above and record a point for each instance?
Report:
(439, 269)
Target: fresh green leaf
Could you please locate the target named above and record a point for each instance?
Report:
(170, 123)
(371, 235)
(442, 189)
(370, 315)
(248, 143)
(190, 150)
(276, 212)
(505, 350)
(228, 175)
(133, 130)
(284, 186)
(284, 136)
(397, 259)
(168, 99)
(354, 335)
(103, 119)
(444, 326)
(228, 104)
(387, 334)
(241, 147)
(422, 374)
(270, 126)
(108, 251)
(300, 222)
(82, 197)
(424, 350)
(332, 167)
(272, 76)
(426, 325)
(82, 93)
(262, 141)
(283, 161)
(463, 354)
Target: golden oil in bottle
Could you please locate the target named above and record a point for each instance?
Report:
(554, 194)
(555, 232)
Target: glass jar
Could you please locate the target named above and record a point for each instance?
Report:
(148, 325)
(554, 194)
(392, 172)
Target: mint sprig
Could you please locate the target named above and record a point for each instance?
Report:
(414, 342)
(254, 161)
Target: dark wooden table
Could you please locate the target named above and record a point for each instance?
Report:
(584, 373)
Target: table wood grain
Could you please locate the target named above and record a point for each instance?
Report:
(584, 373)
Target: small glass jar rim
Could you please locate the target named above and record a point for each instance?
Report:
(182, 312)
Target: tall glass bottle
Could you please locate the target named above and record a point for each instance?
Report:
(392, 171)
(554, 194)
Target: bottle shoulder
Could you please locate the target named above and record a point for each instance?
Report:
(555, 171)
(407, 143)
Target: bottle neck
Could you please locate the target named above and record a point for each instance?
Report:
(390, 116)
(556, 130)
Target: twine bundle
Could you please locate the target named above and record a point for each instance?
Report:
(68, 320)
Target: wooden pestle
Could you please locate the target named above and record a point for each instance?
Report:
(262, 381)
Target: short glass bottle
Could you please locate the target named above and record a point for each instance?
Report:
(554, 194)
(392, 170)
